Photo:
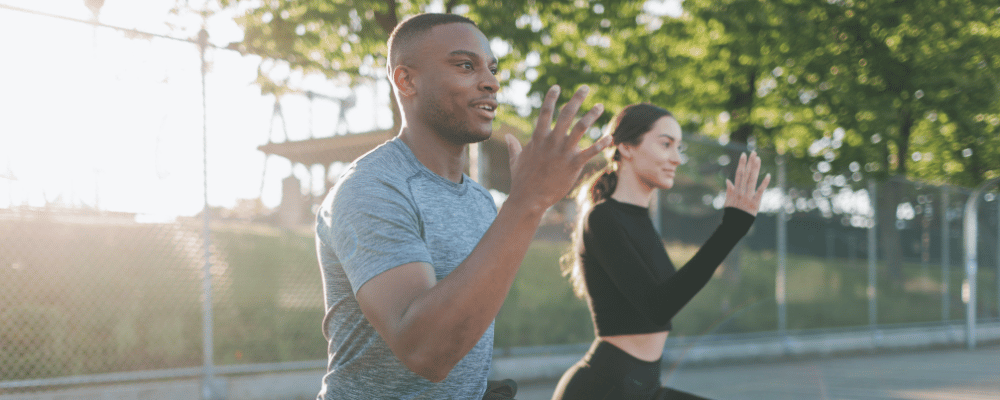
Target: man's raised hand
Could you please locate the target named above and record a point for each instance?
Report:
(545, 169)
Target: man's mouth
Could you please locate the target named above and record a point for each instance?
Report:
(488, 105)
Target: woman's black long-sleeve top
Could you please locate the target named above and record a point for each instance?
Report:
(632, 287)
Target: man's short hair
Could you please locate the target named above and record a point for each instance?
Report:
(403, 35)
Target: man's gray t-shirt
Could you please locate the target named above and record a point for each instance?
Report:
(387, 210)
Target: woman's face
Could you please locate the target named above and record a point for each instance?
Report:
(657, 156)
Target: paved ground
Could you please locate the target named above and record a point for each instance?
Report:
(923, 375)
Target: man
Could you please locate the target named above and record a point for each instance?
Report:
(416, 259)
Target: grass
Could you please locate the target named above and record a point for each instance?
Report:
(96, 298)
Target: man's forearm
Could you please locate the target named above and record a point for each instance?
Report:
(444, 323)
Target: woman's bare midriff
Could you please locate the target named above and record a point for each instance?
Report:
(644, 346)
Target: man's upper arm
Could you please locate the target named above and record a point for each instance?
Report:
(373, 228)
(376, 235)
(385, 298)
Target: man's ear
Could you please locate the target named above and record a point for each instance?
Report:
(402, 77)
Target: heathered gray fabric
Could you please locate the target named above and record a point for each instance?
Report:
(385, 211)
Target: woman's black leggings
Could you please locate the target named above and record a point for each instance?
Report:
(608, 373)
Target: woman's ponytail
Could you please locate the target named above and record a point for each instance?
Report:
(603, 185)
(599, 187)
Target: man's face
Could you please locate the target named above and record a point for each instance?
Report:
(456, 86)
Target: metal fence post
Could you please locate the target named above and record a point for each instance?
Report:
(782, 244)
(970, 233)
(872, 257)
(970, 230)
(208, 354)
(945, 254)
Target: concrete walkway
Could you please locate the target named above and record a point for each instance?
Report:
(919, 375)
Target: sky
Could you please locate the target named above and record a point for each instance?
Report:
(94, 118)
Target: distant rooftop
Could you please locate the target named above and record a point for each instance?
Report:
(326, 151)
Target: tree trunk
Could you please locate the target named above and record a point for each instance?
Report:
(740, 107)
(388, 22)
(888, 195)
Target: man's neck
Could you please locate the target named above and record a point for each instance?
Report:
(438, 155)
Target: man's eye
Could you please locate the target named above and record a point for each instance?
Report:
(494, 71)
(466, 65)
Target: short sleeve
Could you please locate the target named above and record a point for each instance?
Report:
(371, 226)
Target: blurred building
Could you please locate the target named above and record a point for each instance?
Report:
(488, 165)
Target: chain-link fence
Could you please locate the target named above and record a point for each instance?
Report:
(835, 252)
(100, 280)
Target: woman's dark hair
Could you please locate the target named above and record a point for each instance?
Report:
(629, 127)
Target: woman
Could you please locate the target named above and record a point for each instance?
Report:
(622, 269)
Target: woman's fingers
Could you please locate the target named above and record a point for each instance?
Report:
(743, 192)
(753, 172)
(741, 173)
(760, 190)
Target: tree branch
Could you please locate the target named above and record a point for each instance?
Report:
(388, 20)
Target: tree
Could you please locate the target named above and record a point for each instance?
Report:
(860, 85)
(346, 39)
(906, 80)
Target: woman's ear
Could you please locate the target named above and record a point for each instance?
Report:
(402, 77)
(626, 151)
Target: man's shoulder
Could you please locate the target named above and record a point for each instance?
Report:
(383, 165)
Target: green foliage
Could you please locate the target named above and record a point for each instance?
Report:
(898, 77)
(905, 78)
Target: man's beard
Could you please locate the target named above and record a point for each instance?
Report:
(451, 128)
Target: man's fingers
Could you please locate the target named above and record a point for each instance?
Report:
(568, 112)
(585, 123)
(513, 148)
(595, 148)
(544, 122)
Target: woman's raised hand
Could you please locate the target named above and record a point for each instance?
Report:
(744, 194)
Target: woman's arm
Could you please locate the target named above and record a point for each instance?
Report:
(660, 301)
